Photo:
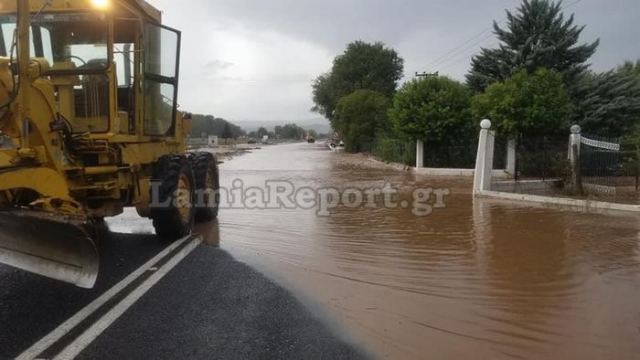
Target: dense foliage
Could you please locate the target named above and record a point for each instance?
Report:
(536, 36)
(436, 109)
(359, 117)
(609, 103)
(290, 132)
(362, 66)
(529, 104)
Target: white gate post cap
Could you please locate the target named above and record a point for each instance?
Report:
(575, 129)
(485, 124)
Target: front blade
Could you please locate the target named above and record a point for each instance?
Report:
(54, 247)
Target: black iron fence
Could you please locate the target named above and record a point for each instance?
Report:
(457, 155)
(630, 164)
(609, 168)
(536, 164)
(542, 157)
(605, 168)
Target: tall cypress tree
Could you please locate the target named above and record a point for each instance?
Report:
(609, 103)
(536, 36)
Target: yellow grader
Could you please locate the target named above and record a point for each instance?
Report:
(89, 125)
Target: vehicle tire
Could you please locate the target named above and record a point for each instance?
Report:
(205, 169)
(173, 216)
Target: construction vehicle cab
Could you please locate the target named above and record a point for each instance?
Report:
(89, 125)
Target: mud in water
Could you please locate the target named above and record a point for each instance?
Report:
(477, 279)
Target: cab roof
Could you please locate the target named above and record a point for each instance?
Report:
(137, 7)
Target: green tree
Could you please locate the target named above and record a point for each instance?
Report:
(609, 103)
(262, 132)
(291, 132)
(631, 68)
(436, 109)
(278, 131)
(526, 104)
(359, 117)
(205, 125)
(536, 36)
(227, 133)
(362, 66)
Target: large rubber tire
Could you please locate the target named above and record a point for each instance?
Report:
(171, 220)
(205, 169)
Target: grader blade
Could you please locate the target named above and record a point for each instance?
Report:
(53, 247)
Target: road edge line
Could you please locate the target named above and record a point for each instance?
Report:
(85, 339)
(59, 332)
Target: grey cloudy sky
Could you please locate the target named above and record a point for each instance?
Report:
(255, 59)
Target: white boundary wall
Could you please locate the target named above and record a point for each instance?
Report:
(573, 204)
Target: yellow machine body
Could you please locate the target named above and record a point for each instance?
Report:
(88, 96)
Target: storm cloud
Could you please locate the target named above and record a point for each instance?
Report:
(255, 59)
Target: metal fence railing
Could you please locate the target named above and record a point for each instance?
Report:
(584, 166)
(542, 157)
(541, 165)
(609, 168)
(458, 155)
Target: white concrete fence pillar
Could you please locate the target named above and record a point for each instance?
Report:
(484, 161)
(575, 143)
(419, 154)
(511, 157)
(575, 140)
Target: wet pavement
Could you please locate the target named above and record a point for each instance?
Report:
(479, 278)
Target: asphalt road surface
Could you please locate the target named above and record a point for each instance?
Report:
(207, 306)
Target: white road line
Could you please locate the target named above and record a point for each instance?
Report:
(37, 348)
(75, 348)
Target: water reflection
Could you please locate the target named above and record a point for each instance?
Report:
(477, 279)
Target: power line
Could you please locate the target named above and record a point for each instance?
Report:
(454, 50)
(462, 51)
(467, 45)
(459, 60)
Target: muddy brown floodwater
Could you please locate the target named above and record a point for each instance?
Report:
(477, 279)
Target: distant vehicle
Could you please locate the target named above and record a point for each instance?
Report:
(335, 145)
(252, 141)
(311, 140)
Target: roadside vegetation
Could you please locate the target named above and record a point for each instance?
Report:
(283, 132)
(537, 81)
(203, 126)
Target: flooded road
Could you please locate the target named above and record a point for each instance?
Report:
(477, 278)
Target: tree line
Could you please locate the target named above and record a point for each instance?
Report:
(203, 126)
(536, 82)
(284, 132)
